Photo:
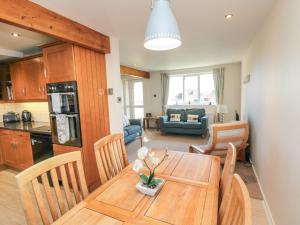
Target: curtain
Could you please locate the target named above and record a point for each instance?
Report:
(165, 91)
(218, 75)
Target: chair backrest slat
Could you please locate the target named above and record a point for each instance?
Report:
(43, 182)
(49, 196)
(236, 209)
(40, 201)
(111, 156)
(65, 182)
(58, 191)
(228, 170)
(73, 182)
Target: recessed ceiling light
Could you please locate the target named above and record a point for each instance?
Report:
(14, 34)
(229, 16)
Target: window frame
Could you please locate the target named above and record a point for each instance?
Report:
(190, 74)
(130, 98)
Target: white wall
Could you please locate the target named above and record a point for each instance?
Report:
(271, 103)
(232, 91)
(114, 81)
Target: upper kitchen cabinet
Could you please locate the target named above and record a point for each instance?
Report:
(59, 63)
(5, 83)
(28, 79)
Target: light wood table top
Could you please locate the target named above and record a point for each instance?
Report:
(188, 197)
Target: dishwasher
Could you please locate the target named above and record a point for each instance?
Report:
(41, 147)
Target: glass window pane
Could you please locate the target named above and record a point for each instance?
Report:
(207, 90)
(126, 92)
(191, 90)
(138, 113)
(138, 93)
(175, 91)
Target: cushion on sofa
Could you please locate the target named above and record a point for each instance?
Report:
(191, 125)
(176, 111)
(173, 124)
(199, 112)
(132, 129)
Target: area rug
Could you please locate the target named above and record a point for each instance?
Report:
(153, 139)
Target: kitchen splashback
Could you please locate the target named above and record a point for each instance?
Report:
(39, 110)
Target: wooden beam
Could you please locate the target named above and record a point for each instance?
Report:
(31, 16)
(134, 72)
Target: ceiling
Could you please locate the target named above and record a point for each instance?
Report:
(208, 38)
(19, 47)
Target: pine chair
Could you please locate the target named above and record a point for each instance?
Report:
(236, 210)
(228, 170)
(111, 156)
(221, 134)
(41, 181)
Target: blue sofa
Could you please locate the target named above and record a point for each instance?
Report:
(133, 131)
(184, 127)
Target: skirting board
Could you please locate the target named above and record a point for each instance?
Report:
(265, 203)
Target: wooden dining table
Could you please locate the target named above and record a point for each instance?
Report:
(189, 196)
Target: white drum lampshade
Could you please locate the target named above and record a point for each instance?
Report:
(162, 32)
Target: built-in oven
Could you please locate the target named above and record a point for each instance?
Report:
(64, 113)
(62, 97)
(67, 131)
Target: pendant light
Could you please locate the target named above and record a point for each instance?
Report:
(162, 32)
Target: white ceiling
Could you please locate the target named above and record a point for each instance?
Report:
(208, 39)
(26, 44)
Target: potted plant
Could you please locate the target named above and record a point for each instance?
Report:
(148, 185)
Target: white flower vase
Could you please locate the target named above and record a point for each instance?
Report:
(149, 191)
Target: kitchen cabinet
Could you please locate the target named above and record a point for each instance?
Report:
(59, 63)
(61, 149)
(16, 149)
(28, 79)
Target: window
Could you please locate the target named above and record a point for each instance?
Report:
(192, 89)
(133, 98)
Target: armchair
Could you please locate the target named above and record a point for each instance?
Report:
(221, 134)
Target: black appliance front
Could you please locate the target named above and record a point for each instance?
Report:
(62, 97)
(71, 132)
(41, 147)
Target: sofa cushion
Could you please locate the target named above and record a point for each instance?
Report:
(194, 111)
(132, 129)
(173, 124)
(176, 111)
(191, 125)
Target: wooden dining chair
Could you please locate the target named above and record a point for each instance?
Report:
(220, 135)
(228, 170)
(236, 210)
(111, 156)
(52, 187)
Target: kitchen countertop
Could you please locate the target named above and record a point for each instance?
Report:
(27, 127)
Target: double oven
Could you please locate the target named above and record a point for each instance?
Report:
(64, 113)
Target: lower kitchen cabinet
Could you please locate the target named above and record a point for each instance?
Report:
(16, 149)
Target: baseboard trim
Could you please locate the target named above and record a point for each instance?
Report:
(265, 203)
